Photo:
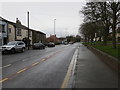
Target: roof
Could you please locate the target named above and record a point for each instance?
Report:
(37, 31)
(15, 24)
(19, 25)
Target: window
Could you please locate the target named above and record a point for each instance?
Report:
(19, 32)
(2, 28)
(9, 30)
(20, 43)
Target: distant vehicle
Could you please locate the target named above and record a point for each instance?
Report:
(14, 46)
(51, 44)
(71, 42)
(65, 43)
(38, 46)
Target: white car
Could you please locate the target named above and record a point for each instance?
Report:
(13, 47)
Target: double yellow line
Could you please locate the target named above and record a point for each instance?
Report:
(21, 70)
(3, 80)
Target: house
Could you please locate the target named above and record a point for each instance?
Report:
(11, 31)
(14, 31)
(3, 31)
(53, 38)
(38, 36)
(21, 33)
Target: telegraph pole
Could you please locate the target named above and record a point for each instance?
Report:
(54, 30)
(28, 30)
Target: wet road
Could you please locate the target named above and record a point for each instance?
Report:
(37, 68)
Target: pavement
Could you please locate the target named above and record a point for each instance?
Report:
(91, 72)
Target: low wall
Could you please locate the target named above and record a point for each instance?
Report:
(111, 61)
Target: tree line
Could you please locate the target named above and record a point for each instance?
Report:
(100, 18)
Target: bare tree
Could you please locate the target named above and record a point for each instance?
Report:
(103, 15)
(115, 14)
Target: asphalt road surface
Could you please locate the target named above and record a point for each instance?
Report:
(37, 68)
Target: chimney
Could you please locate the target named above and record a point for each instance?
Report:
(16, 20)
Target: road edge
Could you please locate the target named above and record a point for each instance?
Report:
(68, 81)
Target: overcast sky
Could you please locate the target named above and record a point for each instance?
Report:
(42, 15)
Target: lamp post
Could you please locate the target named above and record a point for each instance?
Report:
(54, 30)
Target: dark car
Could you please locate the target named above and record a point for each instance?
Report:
(46, 44)
(51, 44)
(38, 46)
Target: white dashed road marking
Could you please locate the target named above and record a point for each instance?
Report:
(5, 66)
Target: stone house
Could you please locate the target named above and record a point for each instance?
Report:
(10, 31)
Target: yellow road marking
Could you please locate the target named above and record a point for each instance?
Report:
(47, 57)
(35, 63)
(42, 60)
(70, 71)
(67, 78)
(3, 80)
(21, 70)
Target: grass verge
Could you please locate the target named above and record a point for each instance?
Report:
(107, 49)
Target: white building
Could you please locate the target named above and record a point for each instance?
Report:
(3, 31)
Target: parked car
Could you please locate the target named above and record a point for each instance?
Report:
(71, 42)
(46, 44)
(38, 46)
(65, 43)
(14, 46)
(51, 44)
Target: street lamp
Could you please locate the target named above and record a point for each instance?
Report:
(54, 30)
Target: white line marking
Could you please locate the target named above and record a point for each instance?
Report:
(6, 65)
(23, 60)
